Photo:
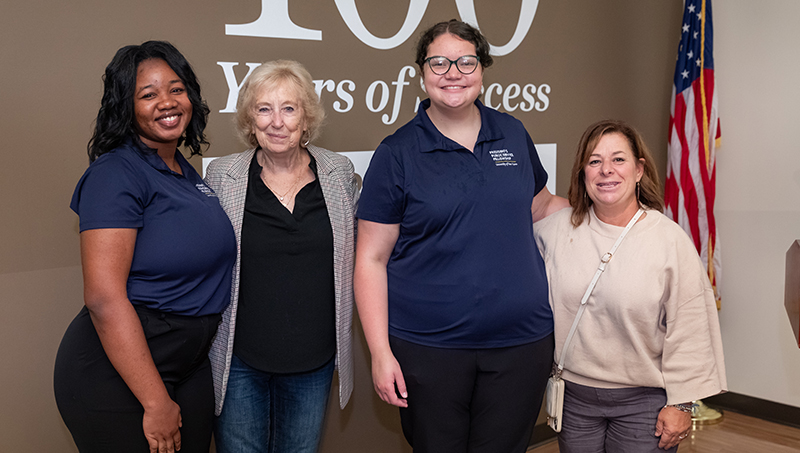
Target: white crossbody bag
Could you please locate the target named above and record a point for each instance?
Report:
(555, 385)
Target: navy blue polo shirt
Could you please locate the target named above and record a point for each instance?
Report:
(185, 246)
(465, 271)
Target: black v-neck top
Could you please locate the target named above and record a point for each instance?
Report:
(286, 314)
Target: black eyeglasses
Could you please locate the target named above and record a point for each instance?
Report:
(440, 65)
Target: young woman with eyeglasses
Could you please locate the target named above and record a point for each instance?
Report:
(450, 286)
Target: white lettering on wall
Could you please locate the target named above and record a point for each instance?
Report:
(510, 94)
(274, 22)
(528, 91)
(344, 95)
(398, 93)
(466, 9)
(544, 90)
(326, 84)
(378, 93)
(371, 96)
(495, 87)
(233, 87)
(349, 12)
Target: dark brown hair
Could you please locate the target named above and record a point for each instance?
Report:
(649, 193)
(459, 29)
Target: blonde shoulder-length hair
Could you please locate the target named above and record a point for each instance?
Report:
(271, 75)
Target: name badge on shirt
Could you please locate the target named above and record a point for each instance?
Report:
(205, 190)
(503, 158)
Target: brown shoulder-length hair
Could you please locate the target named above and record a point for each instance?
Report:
(649, 192)
(269, 76)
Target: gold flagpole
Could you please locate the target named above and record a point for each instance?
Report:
(702, 414)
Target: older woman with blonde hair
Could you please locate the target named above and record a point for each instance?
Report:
(292, 206)
(648, 341)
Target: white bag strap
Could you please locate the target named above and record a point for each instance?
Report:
(603, 261)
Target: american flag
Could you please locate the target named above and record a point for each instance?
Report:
(694, 134)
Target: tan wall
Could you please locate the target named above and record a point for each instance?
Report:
(600, 59)
(758, 183)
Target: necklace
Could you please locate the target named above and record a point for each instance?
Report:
(290, 192)
(281, 198)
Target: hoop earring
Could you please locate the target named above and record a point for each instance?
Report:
(307, 137)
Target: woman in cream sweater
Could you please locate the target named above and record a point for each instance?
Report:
(649, 341)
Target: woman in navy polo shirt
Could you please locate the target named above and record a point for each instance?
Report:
(132, 372)
(450, 286)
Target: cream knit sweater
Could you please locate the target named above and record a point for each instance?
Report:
(651, 321)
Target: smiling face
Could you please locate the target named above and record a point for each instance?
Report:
(161, 105)
(453, 90)
(279, 121)
(611, 175)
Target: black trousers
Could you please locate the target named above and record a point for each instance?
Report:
(472, 400)
(99, 409)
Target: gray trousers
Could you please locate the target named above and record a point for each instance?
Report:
(611, 420)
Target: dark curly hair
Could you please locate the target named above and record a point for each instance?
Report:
(457, 28)
(116, 121)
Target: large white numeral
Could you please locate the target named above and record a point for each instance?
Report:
(466, 9)
(349, 12)
(274, 22)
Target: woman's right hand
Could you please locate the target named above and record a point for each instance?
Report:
(106, 256)
(161, 426)
(373, 249)
(387, 377)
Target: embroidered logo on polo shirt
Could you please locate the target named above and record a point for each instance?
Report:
(503, 158)
(205, 190)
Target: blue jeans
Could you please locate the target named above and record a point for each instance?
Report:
(273, 413)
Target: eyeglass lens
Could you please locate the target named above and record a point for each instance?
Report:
(466, 64)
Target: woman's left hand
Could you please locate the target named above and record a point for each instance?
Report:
(673, 426)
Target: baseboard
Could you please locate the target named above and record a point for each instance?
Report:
(756, 407)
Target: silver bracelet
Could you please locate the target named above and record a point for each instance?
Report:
(683, 407)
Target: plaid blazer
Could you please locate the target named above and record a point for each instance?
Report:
(228, 177)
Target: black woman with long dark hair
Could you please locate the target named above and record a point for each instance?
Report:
(157, 250)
